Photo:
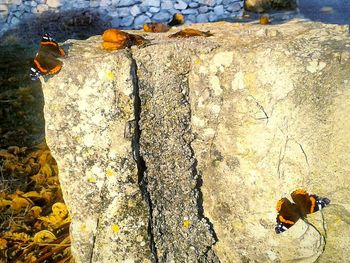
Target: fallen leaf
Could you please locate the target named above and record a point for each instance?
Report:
(19, 202)
(3, 243)
(59, 209)
(44, 236)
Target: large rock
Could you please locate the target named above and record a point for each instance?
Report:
(89, 112)
(227, 126)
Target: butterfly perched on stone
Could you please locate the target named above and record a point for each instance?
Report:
(46, 60)
(289, 213)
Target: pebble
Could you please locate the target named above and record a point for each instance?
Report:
(219, 10)
(42, 8)
(154, 9)
(126, 2)
(126, 21)
(142, 19)
(161, 16)
(202, 18)
(135, 10)
(167, 4)
(191, 11)
(54, 3)
(155, 3)
(180, 5)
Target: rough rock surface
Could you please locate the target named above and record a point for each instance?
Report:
(227, 126)
(89, 111)
(181, 233)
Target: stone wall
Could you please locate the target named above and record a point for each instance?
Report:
(121, 13)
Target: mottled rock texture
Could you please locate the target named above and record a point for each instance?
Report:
(89, 109)
(227, 125)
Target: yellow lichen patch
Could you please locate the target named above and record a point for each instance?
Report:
(250, 82)
(115, 228)
(109, 172)
(44, 236)
(92, 179)
(197, 61)
(83, 228)
(186, 223)
(110, 75)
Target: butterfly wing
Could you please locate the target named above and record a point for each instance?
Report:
(46, 63)
(52, 48)
(46, 60)
(308, 203)
(288, 215)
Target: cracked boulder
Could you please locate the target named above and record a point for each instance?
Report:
(89, 112)
(179, 151)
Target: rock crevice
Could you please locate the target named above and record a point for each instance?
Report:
(141, 165)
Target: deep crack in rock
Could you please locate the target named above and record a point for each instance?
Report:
(141, 164)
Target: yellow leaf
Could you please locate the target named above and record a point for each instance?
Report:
(39, 178)
(19, 202)
(53, 180)
(3, 243)
(55, 169)
(46, 169)
(4, 202)
(44, 157)
(5, 154)
(115, 228)
(36, 211)
(46, 194)
(32, 194)
(59, 209)
(44, 236)
(17, 236)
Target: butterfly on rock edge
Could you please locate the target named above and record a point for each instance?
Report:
(289, 213)
(46, 60)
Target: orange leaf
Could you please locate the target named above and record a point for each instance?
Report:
(3, 243)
